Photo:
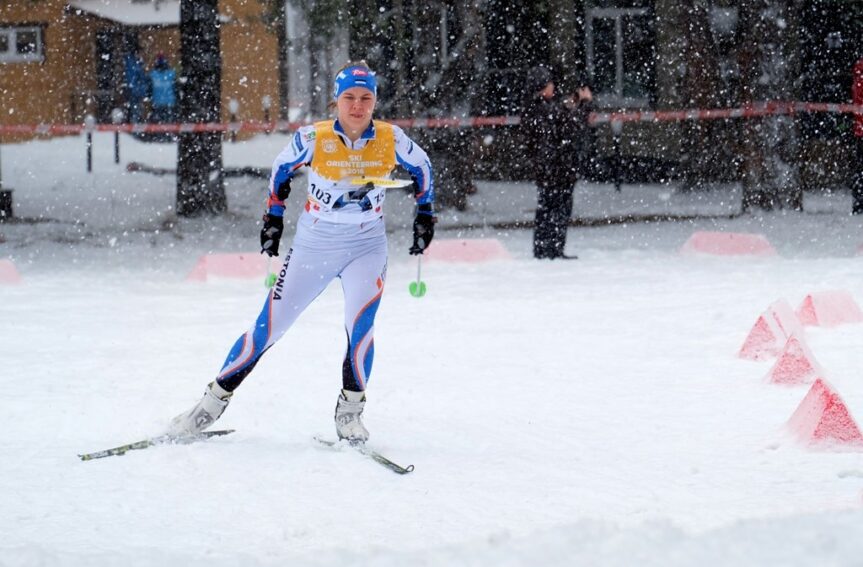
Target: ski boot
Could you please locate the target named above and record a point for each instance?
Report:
(203, 415)
(349, 423)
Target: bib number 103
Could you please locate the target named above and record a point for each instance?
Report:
(323, 196)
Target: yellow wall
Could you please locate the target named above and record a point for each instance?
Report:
(160, 40)
(47, 91)
(249, 60)
(53, 91)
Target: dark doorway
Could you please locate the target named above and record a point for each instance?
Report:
(108, 71)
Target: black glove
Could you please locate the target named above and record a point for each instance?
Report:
(283, 189)
(271, 234)
(423, 229)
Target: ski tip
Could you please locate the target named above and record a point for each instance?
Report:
(149, 442)
(218, 432)
(101, 454)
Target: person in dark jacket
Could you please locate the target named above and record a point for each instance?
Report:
(555, 132)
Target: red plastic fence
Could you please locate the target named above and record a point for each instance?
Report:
(770, 108)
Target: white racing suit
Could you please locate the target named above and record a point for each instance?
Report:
(340, 234)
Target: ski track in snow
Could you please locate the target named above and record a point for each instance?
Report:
(557, 413)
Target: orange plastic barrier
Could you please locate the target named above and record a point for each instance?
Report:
(795, 365)
(829, 309)
(822, 418)
(771, 331)
(8, 273)
(466, 250)
(728, 244)
(251, 265)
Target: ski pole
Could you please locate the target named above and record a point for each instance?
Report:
(418, 288)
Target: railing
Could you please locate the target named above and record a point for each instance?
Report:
(759, 109)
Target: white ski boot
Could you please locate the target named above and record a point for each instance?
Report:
(203, 415)
(349, 423)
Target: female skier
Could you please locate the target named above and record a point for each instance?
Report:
(340, 234)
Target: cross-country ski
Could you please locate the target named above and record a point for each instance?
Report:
(363, 449)
(153, 442)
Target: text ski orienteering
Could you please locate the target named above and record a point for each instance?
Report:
(340, 234)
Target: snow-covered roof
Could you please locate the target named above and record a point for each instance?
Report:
(132, 12)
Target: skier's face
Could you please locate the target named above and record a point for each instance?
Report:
(355, 107)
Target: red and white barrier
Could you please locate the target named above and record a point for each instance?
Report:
(754, 110)
(9, 273)
(728, 244)
(466, 250)
(822, 418)
(251, 265)
(771, 331)
(829, 309)
(254, 126)
(795, 365)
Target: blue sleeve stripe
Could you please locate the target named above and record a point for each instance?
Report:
(286, 171)
(416, 172)
(297, 143)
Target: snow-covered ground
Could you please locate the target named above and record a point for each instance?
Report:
(590, 412)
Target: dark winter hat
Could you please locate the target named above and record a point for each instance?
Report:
(537, 78)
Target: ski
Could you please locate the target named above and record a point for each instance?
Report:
(372, 454)
(152, 442)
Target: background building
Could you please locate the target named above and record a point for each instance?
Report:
(62, 59)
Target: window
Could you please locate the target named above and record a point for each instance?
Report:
(21, 44)
(620, 55)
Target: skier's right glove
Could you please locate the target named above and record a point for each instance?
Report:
(271, 234)
(283, 188)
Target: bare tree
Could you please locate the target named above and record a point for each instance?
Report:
(276, 18)
(767, 67)
(200, 185)
(699, 89)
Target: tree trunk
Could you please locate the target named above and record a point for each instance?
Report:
(767, 71)
(699, 89)
(563, 50)
(756, 193)
(200, 185)
(400, 53)
(316, 106)
(281, 24)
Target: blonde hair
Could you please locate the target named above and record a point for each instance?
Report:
(355, 63)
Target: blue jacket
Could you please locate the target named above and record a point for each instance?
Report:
(163, 87)
(136, 78)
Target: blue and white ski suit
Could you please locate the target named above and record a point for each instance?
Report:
(340, 233)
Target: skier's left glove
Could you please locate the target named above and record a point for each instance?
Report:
(423, 228)
(271, 234)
